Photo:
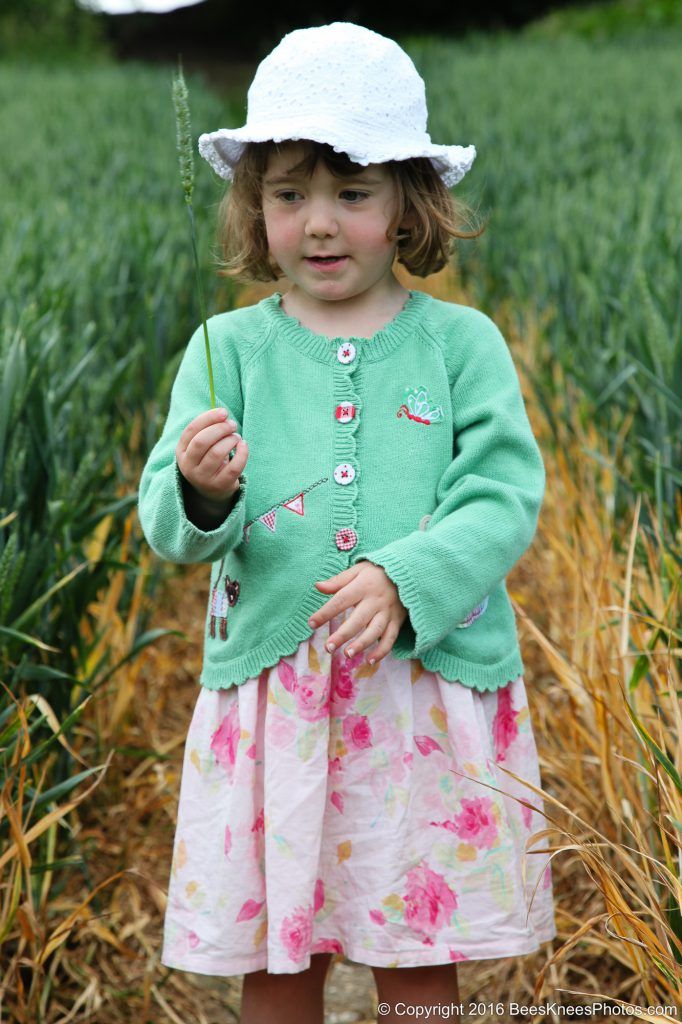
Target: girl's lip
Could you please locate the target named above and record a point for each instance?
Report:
(331, 265)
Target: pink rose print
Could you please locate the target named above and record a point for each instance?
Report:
(476, 824)
(259, 823)
(193, 940)
(377, 917)
(318, 898)
(228, 841)
(357, 732)
(250, 909)
(312, 697)
(225, 739)
(455, 956)
(429, 900)
(343, 686)
(327, 946)
(311, 691)
(296, 933)
(505, 727)
(546, 877)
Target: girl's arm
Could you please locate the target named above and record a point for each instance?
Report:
(489, 497)
(207, 515)
(178, 524)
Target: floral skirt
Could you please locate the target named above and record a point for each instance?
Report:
(328, 805)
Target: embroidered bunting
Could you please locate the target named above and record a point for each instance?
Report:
(269, 518)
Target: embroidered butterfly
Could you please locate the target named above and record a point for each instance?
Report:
(417, 406)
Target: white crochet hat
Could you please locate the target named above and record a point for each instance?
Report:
(345, 85)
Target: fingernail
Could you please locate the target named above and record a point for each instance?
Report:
(349, 652)
(372, 660)
(222, 412)
(331, 647)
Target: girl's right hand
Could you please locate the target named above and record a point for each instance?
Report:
(203, 456)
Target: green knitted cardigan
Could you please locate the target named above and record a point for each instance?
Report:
(411, 449)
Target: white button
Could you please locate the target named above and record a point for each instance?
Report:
(424, 522)
(346, 352)
(344, 473)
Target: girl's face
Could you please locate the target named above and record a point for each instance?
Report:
(325, 215)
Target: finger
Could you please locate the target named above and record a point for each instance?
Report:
(369, 636)
(351, 626)
(204, 450)
(204, 419)
(386, 643)
(325, 613)
(341, 578)
(334, 606)
(232, 466)
(219, 452)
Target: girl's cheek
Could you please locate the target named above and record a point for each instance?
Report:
(281, 231)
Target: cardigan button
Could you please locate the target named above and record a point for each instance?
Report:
(344, 473)
(346, 539)
(345, 412)
(346, 352)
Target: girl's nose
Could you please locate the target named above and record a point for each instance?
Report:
(321, 220)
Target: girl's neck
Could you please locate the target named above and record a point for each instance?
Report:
(344, 318)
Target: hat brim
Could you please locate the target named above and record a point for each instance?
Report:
(223, 148)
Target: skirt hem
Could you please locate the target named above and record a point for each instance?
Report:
(424, 957)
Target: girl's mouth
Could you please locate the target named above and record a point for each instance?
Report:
(328, 263)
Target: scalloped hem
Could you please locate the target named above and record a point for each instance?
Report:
(482, 678)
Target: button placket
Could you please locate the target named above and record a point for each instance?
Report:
(344, 473)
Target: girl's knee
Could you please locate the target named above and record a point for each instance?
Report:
(315, 973)
(407, 977)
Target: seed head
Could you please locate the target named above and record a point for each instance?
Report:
(183, 132)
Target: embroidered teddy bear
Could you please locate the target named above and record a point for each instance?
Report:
(219, 605)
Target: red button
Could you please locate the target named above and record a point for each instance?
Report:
(346, 539)
(345, 412)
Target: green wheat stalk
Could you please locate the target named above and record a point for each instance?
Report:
(184, 146)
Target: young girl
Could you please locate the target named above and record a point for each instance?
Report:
(362, 684)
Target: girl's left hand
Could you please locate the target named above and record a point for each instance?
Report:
(379, 611)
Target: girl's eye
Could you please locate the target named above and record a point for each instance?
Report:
(346, 192)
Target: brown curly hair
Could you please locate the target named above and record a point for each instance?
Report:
(423, 249)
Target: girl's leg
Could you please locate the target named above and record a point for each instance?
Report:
(286, 998)
(433, 987)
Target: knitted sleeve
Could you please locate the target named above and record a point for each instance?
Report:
(489, 497)
(161, 508)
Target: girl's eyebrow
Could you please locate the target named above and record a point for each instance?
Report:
(282, 179)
